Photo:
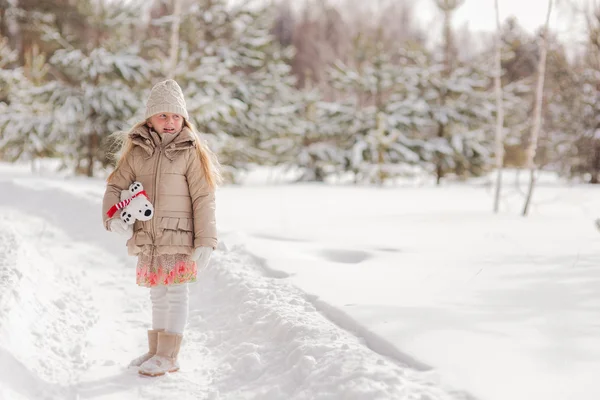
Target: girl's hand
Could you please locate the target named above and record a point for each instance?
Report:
(118, 226)
(201, 255)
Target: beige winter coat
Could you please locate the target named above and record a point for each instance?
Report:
(171, 173)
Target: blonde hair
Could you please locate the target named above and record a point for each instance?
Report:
(208, 159)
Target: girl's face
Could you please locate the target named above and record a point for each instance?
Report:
(166, 122)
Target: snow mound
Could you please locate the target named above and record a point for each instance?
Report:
(41, 318)
(271, 337)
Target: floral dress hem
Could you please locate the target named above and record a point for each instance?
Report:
(164, 269)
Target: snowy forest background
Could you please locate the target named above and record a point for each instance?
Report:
(326, 88)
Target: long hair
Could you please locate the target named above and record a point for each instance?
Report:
(121, 146)
(208, 159)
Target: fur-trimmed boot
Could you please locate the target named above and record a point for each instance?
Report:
(165, 359)
(152, 345)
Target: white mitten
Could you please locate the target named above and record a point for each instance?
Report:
(201, 255)
(118, 226)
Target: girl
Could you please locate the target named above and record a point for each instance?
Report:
(179, 174)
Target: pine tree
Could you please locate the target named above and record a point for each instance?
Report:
(84, 89)
(238, 84)
(99, 74)
(319, 148)
(566, 101)
(461, 109)
(575, 110)
(27, 126)
(416, 112)
(447, 7)
(520, 53)
(385, 114)
(9, 74)
(582, 148)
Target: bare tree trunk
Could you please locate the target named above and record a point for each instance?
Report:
(447, 7)
(499, 111)
(439, 168)
(448, 39)
(174, 40)
(93, 141)
(537, 118)
(379, 105)
(3, 22)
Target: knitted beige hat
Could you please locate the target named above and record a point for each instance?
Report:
(166, 96)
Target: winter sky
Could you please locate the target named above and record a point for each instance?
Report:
(480, 15)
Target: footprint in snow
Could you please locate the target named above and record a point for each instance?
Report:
(345, 256)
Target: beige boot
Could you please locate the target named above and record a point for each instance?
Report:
(165, 359)
(152, 345)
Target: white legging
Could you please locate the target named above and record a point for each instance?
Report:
(169, 307)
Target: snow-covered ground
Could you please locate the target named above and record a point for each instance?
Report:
(504, 306)
(316, 292)
(71, 317)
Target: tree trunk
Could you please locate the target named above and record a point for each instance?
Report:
(174, 40)
(439, 169)
(447, 7)
(3, 22)
(381, 147)
(448, 40)
(319, 174)
(379, 116)
(537, 118)
(499, 111)
(595, 166)
(92, 148)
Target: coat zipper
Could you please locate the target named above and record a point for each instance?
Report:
(156, 196)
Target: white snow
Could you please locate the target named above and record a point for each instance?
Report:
(71, 316)
(502, 306)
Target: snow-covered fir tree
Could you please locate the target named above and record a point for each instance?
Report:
(27, 125)
(379, 140)
(580, 147)
(9, 73)
(456, 114)
(584, 153)
(96, 70)
(104, 75)
(238, 85)
(565, 103)
(315, 144)
(519, 64)
(321, 152)
(9, 77)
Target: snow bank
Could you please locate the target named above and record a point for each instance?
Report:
(42, 324)
(275, 341)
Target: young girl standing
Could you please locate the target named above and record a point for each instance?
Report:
(179, 174)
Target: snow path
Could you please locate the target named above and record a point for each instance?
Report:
(71, 318)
